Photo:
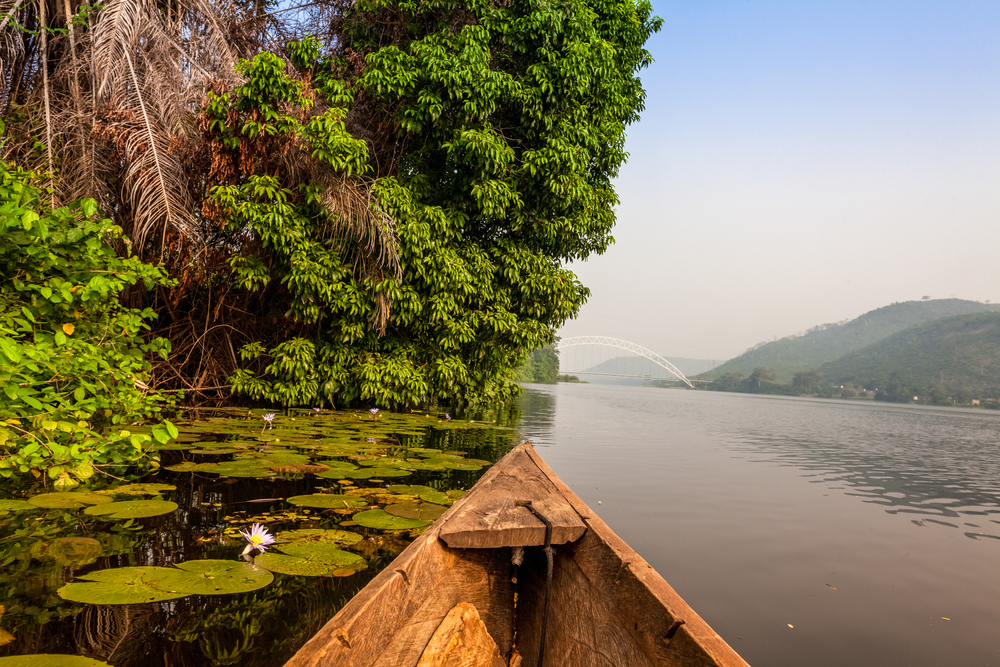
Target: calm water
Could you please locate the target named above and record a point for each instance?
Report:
(806, 532)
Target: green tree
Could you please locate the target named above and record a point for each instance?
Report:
(760, 380)
(806, 382)
(728, 382)
(493, 133)
(541, 366)
(73, 361)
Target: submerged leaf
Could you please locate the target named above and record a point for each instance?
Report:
(68, 499)
(16, 506)
(73, 551)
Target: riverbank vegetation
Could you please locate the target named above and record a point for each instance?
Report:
(952, 361)
(826, 343)
(74, 364)
(362, 204)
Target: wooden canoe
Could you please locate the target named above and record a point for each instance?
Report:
(453, 598)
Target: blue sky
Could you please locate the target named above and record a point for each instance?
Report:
(800, 163)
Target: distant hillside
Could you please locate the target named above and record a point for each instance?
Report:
(954, 355)
(643, 366)
(829, 342)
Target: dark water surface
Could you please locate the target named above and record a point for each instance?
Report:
(806, 532)
(223, 474)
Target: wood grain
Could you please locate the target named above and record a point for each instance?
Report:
(461, 640)
(609, 607)
(495, 520)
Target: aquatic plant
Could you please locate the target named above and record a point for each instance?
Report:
(258, 537)
(268, 420)
(71, 391)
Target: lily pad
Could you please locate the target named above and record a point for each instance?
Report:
(73, 551)
(385, 521)
(425, 465)
(455, 463)
(68, 499)
(150, 489)
(122, 585)
(300, 468)
(133, 585)
(16, 506)
(308, 536)
(173, 446)
(50, 660)
(412, 489)
(186, 466)
(383, 462)
(437, 498)
(424, 511)
(368, 473)
(328, 501)
(310, 560)
(215, 577)
(132, 509)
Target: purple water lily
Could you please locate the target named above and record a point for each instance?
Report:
(268, 420)
(258, 537)
(447, 416)
(374, 412)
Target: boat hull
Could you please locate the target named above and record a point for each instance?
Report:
(608, 606)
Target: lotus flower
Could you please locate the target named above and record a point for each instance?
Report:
(374, 412)
(447, 416)
(258, 537)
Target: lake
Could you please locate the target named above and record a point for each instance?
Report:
(804, 531)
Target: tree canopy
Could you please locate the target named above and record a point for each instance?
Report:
(361, 202)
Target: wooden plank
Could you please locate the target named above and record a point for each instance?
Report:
(659, 621)
(496, 520)
(479, 577)
(461, 640)
(383, 617)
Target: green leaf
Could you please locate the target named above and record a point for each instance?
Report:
(131, 509)
(385, 521)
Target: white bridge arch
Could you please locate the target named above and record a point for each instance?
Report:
(628, 347)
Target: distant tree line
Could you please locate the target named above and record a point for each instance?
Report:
(893, 389)
(541, 366)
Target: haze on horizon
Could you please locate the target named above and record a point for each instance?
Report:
(802, 163)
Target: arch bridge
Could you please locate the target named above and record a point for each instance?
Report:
(633, 348)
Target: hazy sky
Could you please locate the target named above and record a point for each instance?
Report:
(802, 162)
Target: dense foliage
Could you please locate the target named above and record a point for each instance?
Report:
(73, 363)
(367, 202)
(954, 356)
(541, 366)
(493, 134)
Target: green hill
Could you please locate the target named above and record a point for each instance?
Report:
(829, 342)
(955, 355)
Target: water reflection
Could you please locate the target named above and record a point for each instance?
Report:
(942, 464)
(41, 550)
